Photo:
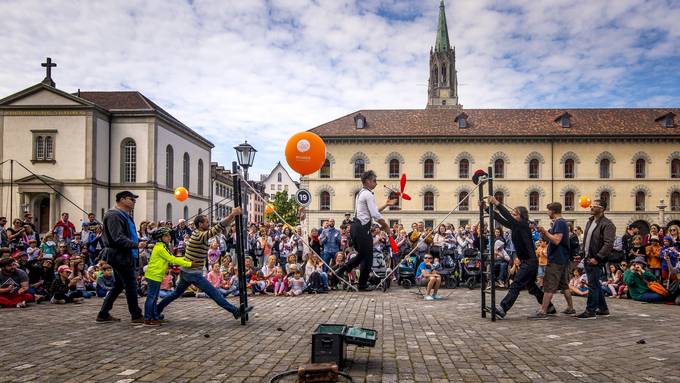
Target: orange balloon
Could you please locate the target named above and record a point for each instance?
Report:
(181, 194)
(305, 153)
(584, 202)
(269, 209)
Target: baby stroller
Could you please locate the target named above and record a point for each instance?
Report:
(471, 267)
(406, 272)
(379, 270)
(450, 272)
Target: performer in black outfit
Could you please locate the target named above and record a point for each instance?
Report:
(360, 229)
(517, 221)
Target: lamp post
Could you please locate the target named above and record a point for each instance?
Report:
(245, 154)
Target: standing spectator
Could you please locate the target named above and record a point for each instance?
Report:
(13, 285)
(330, 240)
(64, 230)
(179, 231)
(3, 232)
(556, 273)
(120, 250)
(347, 221)
(654, 231)
(598, 242)
(28, 220)
(627, 239)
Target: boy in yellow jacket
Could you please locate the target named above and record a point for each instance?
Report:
(155, 271)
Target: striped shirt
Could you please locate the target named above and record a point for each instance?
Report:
(197, 246)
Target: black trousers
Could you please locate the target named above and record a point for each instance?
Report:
(363, 244)
(125, 278)
(525, 278)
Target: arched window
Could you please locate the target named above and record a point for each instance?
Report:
(675, 201)
(428, 168)
(168, 212)
(605, 199)
(640, 197)
(169, 166)
(533, 168)
(464, 168)
(186, 212)
(129, 160)
(428, 201)
(435, 75)
(604, 168)
(569, 168)
(200, 176)
(394, 168)
(569, 201)
(464, 201)
(499, 168)
(640, 168)
(279, 177)
(359, 167)
(325, 201)
(397, 206)
(49, 148)
(675, 168)
(533, 201)
(40, 148)
(499, 196)
(186, 165)
(325, 171)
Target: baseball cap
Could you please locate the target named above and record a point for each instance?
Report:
(125, 194)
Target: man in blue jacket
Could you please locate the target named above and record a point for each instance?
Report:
(330, 240)
(120, 242)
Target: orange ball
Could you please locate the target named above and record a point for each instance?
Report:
(269, 209)
(584, 202)
(305, 153)
(181, 194)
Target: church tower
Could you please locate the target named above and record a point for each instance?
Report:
(443, 84)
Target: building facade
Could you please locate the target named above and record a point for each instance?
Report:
(628, 157)
(279, 180)
(223, 191)
(73, 152)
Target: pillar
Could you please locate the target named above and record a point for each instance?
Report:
(53, 209)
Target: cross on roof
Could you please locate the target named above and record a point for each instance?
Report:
(48, 65)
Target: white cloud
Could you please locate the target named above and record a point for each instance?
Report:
(262, 70)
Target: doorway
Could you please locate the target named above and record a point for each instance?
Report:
(44, 215)
(643, 227)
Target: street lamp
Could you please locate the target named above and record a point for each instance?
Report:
(245, 154)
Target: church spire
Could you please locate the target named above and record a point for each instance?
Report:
(442, 43)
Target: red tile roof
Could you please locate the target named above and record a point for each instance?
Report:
(501, 122)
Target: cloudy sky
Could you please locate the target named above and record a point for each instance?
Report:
(262, 70)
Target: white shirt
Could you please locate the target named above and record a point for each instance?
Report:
(366, 207)
(588, 237)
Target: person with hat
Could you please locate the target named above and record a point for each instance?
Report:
(598, 242)
(13, 285)
(155, 271)
(637, 279)
(180, 231)
(64, 289)
(120, 242)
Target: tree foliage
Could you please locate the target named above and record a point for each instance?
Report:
(287, 207)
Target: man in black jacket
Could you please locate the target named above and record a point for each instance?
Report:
(120, 242)
(598, 241)
(517, 221)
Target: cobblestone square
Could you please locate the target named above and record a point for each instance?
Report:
(418, 341)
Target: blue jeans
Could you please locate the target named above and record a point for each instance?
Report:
(197, 279)
(596, 299)
(327, 257)
(151, 305)
(651, 297)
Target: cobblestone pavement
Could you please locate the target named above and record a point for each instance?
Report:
(418, 341)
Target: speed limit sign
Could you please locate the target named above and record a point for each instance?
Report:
(303, 197)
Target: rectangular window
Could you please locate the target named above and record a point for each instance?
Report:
(273, 187)
(394, 222)
(43, 145)
(464, 222)
(429, 223)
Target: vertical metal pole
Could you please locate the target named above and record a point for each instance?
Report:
(240, 253)
(492, 252)
(481, 247)
(11, 191)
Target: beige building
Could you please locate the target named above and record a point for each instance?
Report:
(629, 157)
(80, 149)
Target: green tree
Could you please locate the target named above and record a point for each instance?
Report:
(287, 207)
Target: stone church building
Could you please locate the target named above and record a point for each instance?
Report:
(628, 157)
(72, 152)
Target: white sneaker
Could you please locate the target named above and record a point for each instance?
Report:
(429, 298)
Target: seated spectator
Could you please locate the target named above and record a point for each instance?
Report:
(502, 263)
(78, 274)
(33, 251)
(13, 285)
(63, 289)
(652, 254)
(291, 265)
(280, 282)
(37, 270)
(216, 279)
(336, 262)
(257, 283)
(269, 268)
(296, 283)
(669, 258)
(426, 275)
(250, 270)
(48, 248)
(637, 279)
(312, 266)
(512, 272)
(75, 246)
(167, 286)
(612, 284)
(105, 281)
(578, 284)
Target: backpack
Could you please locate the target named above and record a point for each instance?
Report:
(314, 283)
